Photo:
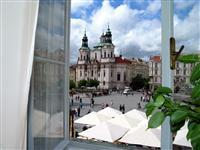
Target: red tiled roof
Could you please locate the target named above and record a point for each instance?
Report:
(155, 58)
(120, 60)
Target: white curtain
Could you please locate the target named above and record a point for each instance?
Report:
(18, 26)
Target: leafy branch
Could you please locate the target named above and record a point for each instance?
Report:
(162, 106)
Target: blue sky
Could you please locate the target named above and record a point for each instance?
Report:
(135, 25)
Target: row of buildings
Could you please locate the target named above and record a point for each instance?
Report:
(112, 71)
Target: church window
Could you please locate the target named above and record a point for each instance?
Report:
(108, 55)
(81, 57)
(103, 82)
(111, 74)
(104, 73)
(104, 54)
(111, 54)
(84, 58)
(92, 73)
(80, 73)
(118, 76)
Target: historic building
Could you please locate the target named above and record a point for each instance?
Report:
(101, 64)
(181, 74)
(139, 66)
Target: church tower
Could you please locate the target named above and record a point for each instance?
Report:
(84, 51)
(107, 53)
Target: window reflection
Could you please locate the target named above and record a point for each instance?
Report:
(47, 85)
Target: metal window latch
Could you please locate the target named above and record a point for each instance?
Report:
(173, 54)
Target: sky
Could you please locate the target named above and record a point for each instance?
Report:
(135, 25)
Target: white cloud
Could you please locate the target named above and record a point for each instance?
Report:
(154, 6)
(133, 35)
(187, 31)
(76, 5)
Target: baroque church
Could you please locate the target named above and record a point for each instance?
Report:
(101, 64)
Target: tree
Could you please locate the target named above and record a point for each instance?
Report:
(82, 83)
(72, 84)
(92, 83)
(179, 112)
(138, 82)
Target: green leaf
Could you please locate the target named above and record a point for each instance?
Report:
(194, 132)
(178, 116)
(149, 108)
(156, 120)
(195, 74)
(196, 92)
(177, 126)
(159, 101)
(191, 58)
(163, 90)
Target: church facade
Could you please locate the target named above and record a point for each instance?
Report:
(101, 64)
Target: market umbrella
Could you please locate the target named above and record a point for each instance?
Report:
(143, 136)
(136, 114)
(110, 112)
(125, 121)
(105, 131)
(180, 138)
(92, 118)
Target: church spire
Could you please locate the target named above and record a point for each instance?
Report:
(108, 35)
(85, 40)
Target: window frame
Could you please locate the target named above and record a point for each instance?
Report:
(67, 142)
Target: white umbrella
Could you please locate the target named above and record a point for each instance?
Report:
(125, 121)
(92, 118)
(136, 114)
(105, 132)
(180, 138)
(143, 136)
(111, 112)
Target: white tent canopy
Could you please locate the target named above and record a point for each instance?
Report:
(105, 132)
(92, 118)
(180, 138)
(125, 121)
(136, 114)
(110, 112)
(143, 136)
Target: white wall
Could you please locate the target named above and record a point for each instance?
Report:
(18, 24)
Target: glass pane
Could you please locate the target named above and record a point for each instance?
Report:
(50, 30)
(187, 33)
(46, 114)
(48, 104)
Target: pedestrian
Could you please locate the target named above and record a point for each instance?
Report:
(92, 102)
(107, 105)
(120, 107)
(139, 106)
(72, 102)
(79, 111)
(81, 103)
(123, 109)
(141, 98)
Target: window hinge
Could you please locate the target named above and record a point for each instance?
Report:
(173, 54)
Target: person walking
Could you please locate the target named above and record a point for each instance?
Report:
(123, 109)
(79, 111)
(120, 107)
(81, 102)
